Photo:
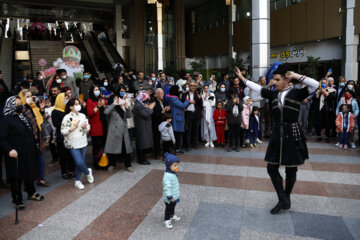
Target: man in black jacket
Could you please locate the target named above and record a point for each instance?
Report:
(161, 106)
(287, 144)
(193, 115)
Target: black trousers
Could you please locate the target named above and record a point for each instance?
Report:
(192, 129)
(178, 138)
(156, 139)
(273, 171)
(53, 150)
(98, 143)
(1, 161)
(66, 161)
(113, 158)
(167, 146)
(16, 193)
(141, 155)
(234, 135)
(169, 210)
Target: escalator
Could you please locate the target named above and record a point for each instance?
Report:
(6, 59)
(112, 53)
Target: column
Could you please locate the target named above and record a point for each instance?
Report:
(351, 43)
(118, 29)
(160, 36)
(180, 34)
(139, 35)
(231, 19)
(260, 37)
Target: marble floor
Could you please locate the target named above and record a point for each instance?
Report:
(224, 195)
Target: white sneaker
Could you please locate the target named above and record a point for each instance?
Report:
(211, 144)
(258, 140)
(79, 185)
(337, 144)
(168, 224)
(175, 218)
(207, 144)
(90, 177)
(353, 146)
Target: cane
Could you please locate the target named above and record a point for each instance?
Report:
(17, 193)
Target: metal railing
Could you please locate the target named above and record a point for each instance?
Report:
(114, 52)
(13, 65)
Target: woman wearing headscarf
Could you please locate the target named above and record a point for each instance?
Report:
(66, 161)
(143, 110)
(17, 140)
(95, 111)
(118, 143)
(208, 131)
(34, 115)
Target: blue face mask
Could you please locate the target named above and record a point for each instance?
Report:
(323, 85)
(97, 93)
(153, 79)
(341, 84)
(106, 84)
(86, 76)
(122, 94)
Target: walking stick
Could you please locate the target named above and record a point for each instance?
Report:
(17, 193)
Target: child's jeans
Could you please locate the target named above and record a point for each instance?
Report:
(344, 138)
(169, 210)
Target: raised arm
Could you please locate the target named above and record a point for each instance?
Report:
(311, 83)
(254, 86)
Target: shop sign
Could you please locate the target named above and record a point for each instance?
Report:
(289, 53)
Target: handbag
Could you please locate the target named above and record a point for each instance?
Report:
(46, 130)
(104, 161)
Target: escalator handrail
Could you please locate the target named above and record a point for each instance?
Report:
(30, 55)
(13, 80)
(114, 52)
(109, 69)
(78, 39)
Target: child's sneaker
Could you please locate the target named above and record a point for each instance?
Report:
(175, 218)
(255, 145)
(168, 224)
(345, 146)
(251, 145)
(340, 146)
(258, 140)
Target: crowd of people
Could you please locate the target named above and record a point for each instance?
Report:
(153, 114)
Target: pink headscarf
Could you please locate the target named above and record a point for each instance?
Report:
(142, 97)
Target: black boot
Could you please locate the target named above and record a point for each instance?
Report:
(276, 180)
(290, 181)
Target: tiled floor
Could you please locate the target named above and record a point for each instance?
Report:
(223, 196)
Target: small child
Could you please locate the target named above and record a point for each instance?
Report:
(167, 133)
(245, 114)
(171, 189)
(255, 128)
(220, 117)
(345, 124)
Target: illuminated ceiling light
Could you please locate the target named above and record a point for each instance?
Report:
(228, 2)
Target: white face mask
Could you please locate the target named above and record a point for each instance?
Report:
(77, 108)
(222, 89)
(28, 100)
(64, 77)
(41, 77)
(58, 81)
(350, 87)
(106, 84)
(171, 83)
(97, 93)
(187, 89)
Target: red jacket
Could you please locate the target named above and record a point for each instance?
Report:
(220, 117)
(339, 122)
(96, 126)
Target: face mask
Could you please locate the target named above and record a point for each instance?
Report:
(28, 101)
(350, 87)
(171, 83)
(66, 101)
(97, 93)
(18, 109)
(347, 96)
(153, 79)
(77, 108)
(187, 89)
(86, 76)
(222, 89)
(208, 91)
(106, 84)
(122, 94)
(323, 85)
(41, 77)
(341, 84)
(63, 77)
(58, 81)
